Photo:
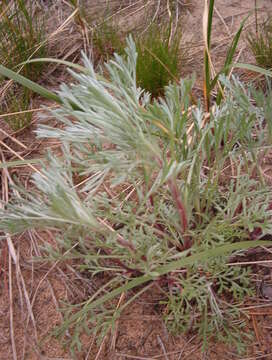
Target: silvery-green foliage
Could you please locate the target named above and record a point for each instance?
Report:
(114, 196)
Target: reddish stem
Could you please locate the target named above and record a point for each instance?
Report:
(125, 243)
(181, 210)
(122, 265)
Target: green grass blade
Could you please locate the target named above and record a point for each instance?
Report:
(249, 67)
(229, 59)
(19, 163)
(234, 44)
(29, 84)
(253, 68)
(69, 64)
(210, 18)
(58, 61)
(165, 269)
(23, 8)
(207, 30)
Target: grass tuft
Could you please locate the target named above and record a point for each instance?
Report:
(260, 43)
(158, 59)
(17, 101)
(107, 40)
(21, 36)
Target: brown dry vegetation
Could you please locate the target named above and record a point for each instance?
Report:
(31, 293)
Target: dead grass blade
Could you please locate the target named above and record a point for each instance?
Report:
(18, 142)
(20, 279)
(21, 158)
(12, 339)
(14, 256)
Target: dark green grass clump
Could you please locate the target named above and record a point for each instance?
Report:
(21, 38)
(158, 59)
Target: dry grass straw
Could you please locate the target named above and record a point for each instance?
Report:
(64, 42)
(14, 263)
(19, 156)
(13, 256)
(14, 260)
(129, 16)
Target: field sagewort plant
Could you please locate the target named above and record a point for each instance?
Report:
(152, 191)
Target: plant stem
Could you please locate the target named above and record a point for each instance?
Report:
(181, 210)
(256, 18)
